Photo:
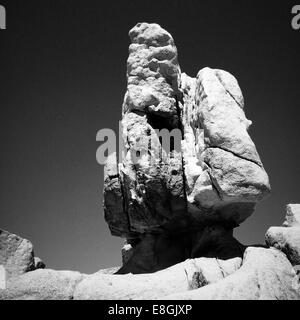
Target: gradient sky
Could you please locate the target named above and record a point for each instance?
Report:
(63, 67)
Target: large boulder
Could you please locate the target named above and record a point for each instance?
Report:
(292, 217)
(187, 161)
(16, 254)
(287, 237)
(224, 173)
(266, 274)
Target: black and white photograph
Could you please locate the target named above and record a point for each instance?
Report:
(149, 152)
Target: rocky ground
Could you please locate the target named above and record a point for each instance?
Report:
(264, 272)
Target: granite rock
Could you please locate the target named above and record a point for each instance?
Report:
(42, 284)
(16, 254)
(265, 274)
(178, 278)
(209, 174)
(287, 237)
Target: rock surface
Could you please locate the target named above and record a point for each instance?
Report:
(287, 237)
(159, 251)
(111, 270)
(38, 263)
(209, 174)
(263, 274)
(266, 274)
(49, 284)
(175, 201)
(127, 252)
(292, 217)
(224, 172)
(16, 254)
(182, 277)
(41, 284)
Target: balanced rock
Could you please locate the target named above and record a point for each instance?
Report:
(287, 237)
(187, 174)
(187, 162)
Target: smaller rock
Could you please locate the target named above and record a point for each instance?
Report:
(292, 218)
(287, 237)
(287, 240)
(38, 263)
(127, 252)
(16, 254)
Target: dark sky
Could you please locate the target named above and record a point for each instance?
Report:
(62, 69)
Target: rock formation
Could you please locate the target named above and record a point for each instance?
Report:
(287, 238)
(42, 284)
(183, 201)
(175, 204)
(266, 274)
(263, 273)
(179, 278)
(16, 255)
